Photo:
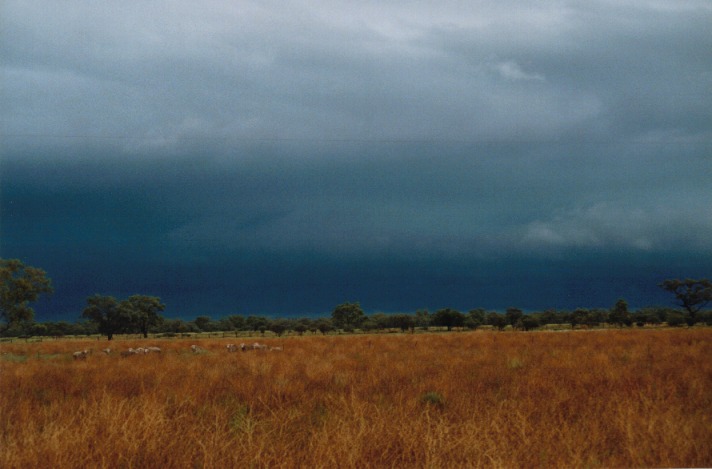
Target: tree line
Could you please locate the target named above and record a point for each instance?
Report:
(141, 314)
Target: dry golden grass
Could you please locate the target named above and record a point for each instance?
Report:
(543, 399)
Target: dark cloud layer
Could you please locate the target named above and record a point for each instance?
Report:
(281, 158)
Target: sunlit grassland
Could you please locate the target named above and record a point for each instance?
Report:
(633, 398)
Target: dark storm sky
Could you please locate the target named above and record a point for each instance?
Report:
(284, 157)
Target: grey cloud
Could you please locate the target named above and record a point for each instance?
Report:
(165, 72)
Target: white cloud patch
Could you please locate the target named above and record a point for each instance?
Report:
(511, 70)
(611, 226)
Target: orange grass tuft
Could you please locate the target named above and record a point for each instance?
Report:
(626, 398)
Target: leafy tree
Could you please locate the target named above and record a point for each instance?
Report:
(645, 316)
(143, 311)
(279, 326)
(661, 314)
(237, 322)
(376, 321)
(579, 316)
(348, 316)
(530, 322)
(497, 320)
(706, 317)
(551, 316)
(475, 318)
(449, 318)
(20, 285)
(675, 319)
(403, 322)
(38, 329)
(422, 319)
(224, 325)
(256, 323)
(108, 316)
(513, 316)
(691, 294)
(597, 316)
(324, 325)
(619, 314)
(203, 323)
(302, 325)
(179, 326)
(84, 328)
(58, 329)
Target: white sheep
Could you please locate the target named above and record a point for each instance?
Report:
(231, 347)
(81, 355)
(129, 352)
(153, 349)
(107, 351)
(196, 349)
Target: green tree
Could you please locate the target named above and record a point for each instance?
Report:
(204, 323)
(237, 322)
(497, 320)
(475, 318)
(108, 316)
(675, 319)
(58, 329)
(551, 316)
(706, 317)
(402, 321)
(19, 286)
(619, 314)
(449, 318)
(514, 316)
(645, 316)
(179, 326)
(256, 323)
(324, 325)
(422, 319)
(375, 321)
(38, 329)
(579, 316)
(143, 311)
(597, 316)
(279, 326)
(691, 294)
(302, 325)
(530, 322)
(348, 316)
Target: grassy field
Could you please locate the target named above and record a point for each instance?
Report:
(629, 398)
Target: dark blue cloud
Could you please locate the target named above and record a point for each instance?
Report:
(395, 229)
(272, 160)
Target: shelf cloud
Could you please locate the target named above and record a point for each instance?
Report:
(280, 157)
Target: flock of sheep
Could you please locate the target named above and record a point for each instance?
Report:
(246, 347)
(83, 354)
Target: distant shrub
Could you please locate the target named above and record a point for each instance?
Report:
(433, 398)
(706, 317)
(529, 323)
(514, 363)
(675, 319)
